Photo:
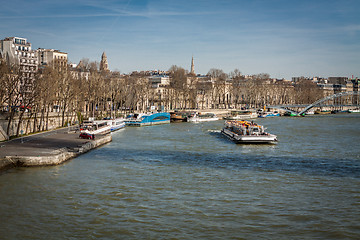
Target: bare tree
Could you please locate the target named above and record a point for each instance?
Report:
(191, 91)
(132, 92)
(4, 72)
(11, 80)
(204, 91)
(178, 82)
(237, 85)
(218, 78)
(90, 88)
(66, 93)
(307, 92)
(45, 87)
(115, 87)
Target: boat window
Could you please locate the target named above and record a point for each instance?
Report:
(160, 118)
(101, 124)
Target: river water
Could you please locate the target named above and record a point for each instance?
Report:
(186, 181)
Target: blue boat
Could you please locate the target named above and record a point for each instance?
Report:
(139, 120)
(269, 114)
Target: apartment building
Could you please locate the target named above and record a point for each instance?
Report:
(52, 57)
(18, 51)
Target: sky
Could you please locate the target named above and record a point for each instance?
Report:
(284, 38)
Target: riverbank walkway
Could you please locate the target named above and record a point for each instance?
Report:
(47, 148)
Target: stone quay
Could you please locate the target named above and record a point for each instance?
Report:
(47, 148)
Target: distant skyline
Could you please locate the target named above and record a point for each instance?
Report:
(279, 37)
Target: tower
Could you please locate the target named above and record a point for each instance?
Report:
(192, 71)
(104, 63)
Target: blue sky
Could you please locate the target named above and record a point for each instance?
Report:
(284, 38)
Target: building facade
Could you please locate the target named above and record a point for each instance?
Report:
(52, 57)
(18, 52)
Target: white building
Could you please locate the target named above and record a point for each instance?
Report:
(159, 80)
(52, 57)
(17, 51)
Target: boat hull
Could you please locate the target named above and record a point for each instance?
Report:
(116, 124)
(104, 130)
(322, 112)
(249, 139)
(269, 115)
(203, 119)
(141, 124)
(117, 127)
(95, 127)
(355, 111)
(241, 116)
(149, 120)
(179, 116)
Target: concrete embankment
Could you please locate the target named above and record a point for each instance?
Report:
(51, 148)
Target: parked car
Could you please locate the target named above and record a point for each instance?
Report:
(87, 136)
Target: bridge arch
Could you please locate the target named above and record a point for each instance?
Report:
(341, 94)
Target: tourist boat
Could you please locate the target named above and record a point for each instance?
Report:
(95, 127)
(269, 114)
(116, 124)
(247, 132)
(240, 115)
(148, 119)
(202, 117)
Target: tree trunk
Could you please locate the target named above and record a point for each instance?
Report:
(35, 120)
(11, 117)
(19, 122)
(41, 119)
(47, 117)
(28, 123)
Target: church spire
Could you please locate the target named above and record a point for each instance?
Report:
(104, 63)
(192, 66)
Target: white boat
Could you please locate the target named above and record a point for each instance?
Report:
(355, 111)
(240, 115)
(95, 127)
(116, 124)
(203, 117)
(247, 132)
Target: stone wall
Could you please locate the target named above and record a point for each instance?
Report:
(28, 123)
(3, 135)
